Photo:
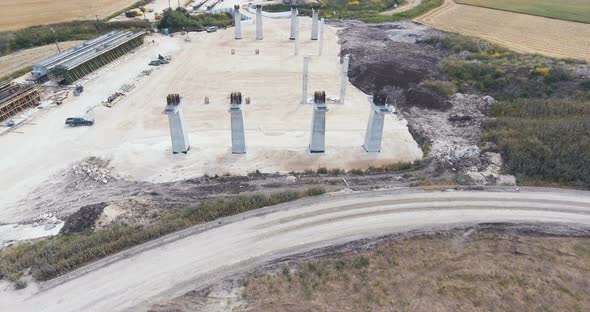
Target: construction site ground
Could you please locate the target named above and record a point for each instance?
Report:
(134, 136)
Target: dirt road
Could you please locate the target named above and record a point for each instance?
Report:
(410, 4)
(178, 263)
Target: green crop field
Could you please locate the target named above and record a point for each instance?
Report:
(569, 10)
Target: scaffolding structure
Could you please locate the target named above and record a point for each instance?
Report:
(15, 98)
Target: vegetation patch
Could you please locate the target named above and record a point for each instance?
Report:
(60, 254)
(180, 19)
(543, 139)
(364, 10)
(478, 66)
(485, 271)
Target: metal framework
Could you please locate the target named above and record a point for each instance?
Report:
(15, 98)
(74, 63)
(71, 74)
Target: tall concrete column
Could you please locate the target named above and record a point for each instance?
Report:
(318, 123)
(305, 76)
(178, 134)
(374, 133)
(237, 22)
(238, 136)
(259, 22)
(314, 24)
(343, 78)
(294, 23)
(321, 41)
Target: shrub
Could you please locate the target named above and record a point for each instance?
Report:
(444, 88)
(559, 73)
(357, 172)
(322, 170)
(543, 71)
(20, 284)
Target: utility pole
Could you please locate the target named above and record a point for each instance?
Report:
(169, 5)
(54, 38)
(179, 3)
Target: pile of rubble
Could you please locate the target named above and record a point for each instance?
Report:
(47, 220)
(91, 170)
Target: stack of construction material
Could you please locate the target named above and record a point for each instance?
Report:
(15, 98)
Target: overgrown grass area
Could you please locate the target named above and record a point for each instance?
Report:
(17, 73)
(60, 254)
(180, 19)
(480, 272)
(78, 30)
(543, 139)
(364, 10)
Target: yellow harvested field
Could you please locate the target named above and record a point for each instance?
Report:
(518, 32)
(15, 14)
(25, 58)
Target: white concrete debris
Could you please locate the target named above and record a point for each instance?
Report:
(92, 170)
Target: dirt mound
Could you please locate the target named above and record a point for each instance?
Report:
(388, 55)
(84, 219)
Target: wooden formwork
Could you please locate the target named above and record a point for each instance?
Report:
(16, 98)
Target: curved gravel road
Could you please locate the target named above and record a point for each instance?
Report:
(175, 264)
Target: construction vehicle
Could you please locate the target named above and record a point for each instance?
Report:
(133, 13)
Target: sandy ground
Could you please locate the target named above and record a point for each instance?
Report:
(519, 32)
(135, 136)
(410, 4)
(15, 14)
(21, 59)
(194, 258)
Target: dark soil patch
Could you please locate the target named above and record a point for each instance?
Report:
(83, 220)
